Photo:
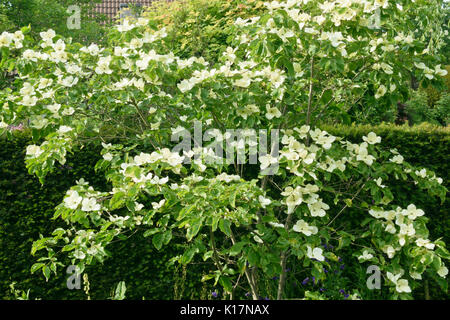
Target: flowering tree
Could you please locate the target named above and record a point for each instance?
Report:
(300, 60)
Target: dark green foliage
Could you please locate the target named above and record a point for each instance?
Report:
(26, 209)
(426, 146)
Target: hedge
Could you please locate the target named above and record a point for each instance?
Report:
(423, 145)
(26, 209)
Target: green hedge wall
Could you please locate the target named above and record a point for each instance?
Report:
(424, 145)
(26, 209)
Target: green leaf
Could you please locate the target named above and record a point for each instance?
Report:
(207, 255)
(232, 198)
(119, 293)
(225, 282)
(188, 255)
(225, 226)
(46, 271)
(157, 240)
(117, 201)
(236, 248)
(253, 257)
(36, 267)
(194, 228)
(167, 236)
(151, 232)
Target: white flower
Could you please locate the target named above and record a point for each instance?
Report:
(372, 138)
(44, 82)
(402, 286)
(276, 225)
(73, 200)
(125, 26)
(108, 156)
(27, 89)
(390, 227)
(69, 81)
(257, 239)
(64, 129)
(276, 78)
(325, 140)
(158, 205)
(93, 49)
(48, 35)
(412, 212)
(390, 251)
(422, 173)
(272, 112)
(39, 122)
(303, 227)
(29, 101)
(365, 256)
(415, 275)
(229, 53)
(315, 253)
(5, 39)
(425, 243)
(397, 159)
(28, 54)
(439, 71)
(264, 201)
(335, 38)
(267, 160)
(443, 271)
(428, 73)
(302, 131)
(380, 92)
(319, 19)
(317, 209)
(79, 254)
(407, 229)
(59, 45)
(68, 112)
(394, 277)
(90, 204)
(103, 65)
(136, 43)
(363, 155)
(227, 178)
(185, 85)
(34, 151)
(379, 181)
(138, 206)
(160, 181)
(243, 82)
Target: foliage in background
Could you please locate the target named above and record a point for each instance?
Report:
(431, 104)
(200, 27)
(42, 15)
